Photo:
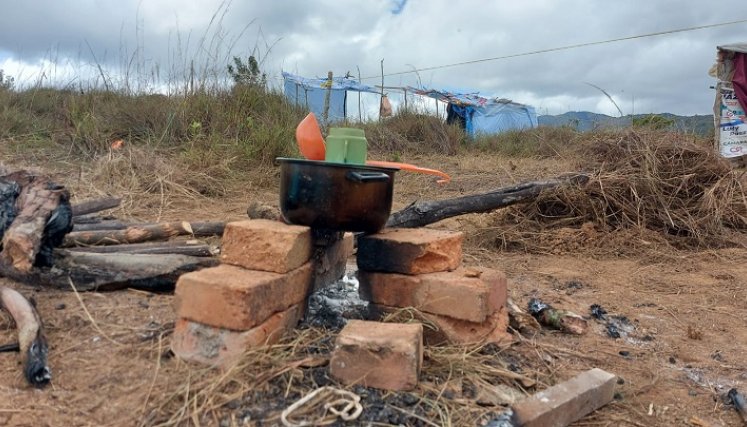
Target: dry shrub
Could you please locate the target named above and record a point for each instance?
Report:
(146, 177)
(412, 132)
(649, 187)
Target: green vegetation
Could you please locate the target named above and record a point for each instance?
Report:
(653, 121)
(234, 129)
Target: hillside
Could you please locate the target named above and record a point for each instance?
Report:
(585, 121)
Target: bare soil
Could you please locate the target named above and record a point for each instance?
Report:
(109, 351)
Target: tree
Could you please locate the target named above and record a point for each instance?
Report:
(247, 73)
(6, 82)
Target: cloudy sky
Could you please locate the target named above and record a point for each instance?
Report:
(139, 42)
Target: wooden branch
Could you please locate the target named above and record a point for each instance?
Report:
(144, 233)
(96, 205)
(43, 217)
(32, 343)
(106, 272)
(427, 212)
(176, 247)
(101, 225)
(91, 219)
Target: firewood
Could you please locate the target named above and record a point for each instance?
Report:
(43, 217)
(143, 233)
(107, 272)
(32, 343)
(96, 205)
(423, 213)
(101, 225)
(151, 248)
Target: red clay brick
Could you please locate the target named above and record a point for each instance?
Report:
(567, 402)
(410, 251)
(208, 345)
(233, 298)
(381, 355)
(458, 332)
(266, 245)
(466, 294)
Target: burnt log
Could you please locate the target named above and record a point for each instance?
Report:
(108, 272)
(151, 248)
(96, 205)
(423, 213)
(144, 233)
(32, 343)
(101, 225)
(41, 217)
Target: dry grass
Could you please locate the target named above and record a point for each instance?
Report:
(455, 389)
(660, 188)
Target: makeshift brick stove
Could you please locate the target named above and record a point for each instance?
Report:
(269, 270)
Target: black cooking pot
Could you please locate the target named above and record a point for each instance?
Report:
(335, 196)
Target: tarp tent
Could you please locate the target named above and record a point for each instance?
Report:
(483, 115)
(310, 93)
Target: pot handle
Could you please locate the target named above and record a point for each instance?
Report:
(364, 177)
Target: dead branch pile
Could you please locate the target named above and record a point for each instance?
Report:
(667, 187)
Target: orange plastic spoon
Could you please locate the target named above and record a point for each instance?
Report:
(309, 138)
(411, 168)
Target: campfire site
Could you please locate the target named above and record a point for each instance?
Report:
(628, 245)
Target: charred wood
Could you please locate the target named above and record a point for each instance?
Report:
(32, 343)
(423, 213)
(101, 225)
(96, 205)
(151, 248)
(107, 272)
(41, 217)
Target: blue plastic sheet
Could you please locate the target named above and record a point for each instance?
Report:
(310, 93)
(484, 115)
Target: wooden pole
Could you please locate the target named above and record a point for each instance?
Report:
(325, 114)
(382, 87)
(405, 90)
(360, 107)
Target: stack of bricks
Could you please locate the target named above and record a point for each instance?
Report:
(251, 299)
(421, 268)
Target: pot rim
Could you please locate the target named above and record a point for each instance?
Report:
(322, 163)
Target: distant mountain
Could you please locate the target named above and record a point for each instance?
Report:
(585, 121)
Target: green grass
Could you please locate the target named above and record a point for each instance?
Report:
(237, 129)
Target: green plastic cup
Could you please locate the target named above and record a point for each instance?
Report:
(346, 145)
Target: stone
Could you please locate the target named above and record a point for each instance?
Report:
(567, 402)
(233, 298)
(266, 245)
(443, 330)
(381, 355)
(410, 251)
(197, 342)
(465, 294)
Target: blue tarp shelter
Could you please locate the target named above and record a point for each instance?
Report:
(310, 93)
(478, 114)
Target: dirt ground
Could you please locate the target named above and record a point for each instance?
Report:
(109, 358)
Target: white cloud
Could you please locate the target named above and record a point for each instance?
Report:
(664, 73)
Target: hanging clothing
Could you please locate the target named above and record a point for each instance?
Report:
(385, 109)
(739, 81)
